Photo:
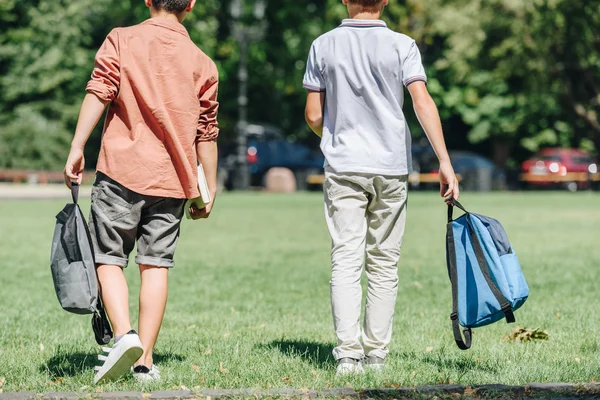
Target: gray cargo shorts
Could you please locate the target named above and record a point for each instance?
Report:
(119, 217)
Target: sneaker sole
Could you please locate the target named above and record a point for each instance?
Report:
(122, 366)
(145, 379)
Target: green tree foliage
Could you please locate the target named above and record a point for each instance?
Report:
(513, 74)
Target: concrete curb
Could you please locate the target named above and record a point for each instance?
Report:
(531, 390)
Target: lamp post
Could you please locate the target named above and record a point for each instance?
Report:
(244, 33)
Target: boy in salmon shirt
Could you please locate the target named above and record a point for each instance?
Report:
(161, 93)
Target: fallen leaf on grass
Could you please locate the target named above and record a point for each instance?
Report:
(395, 386)
(196, 368)
(42, 347)
(470, 392)
(183, 387)
(226, 335)
(222, 370)
(526, 335)
(208, 352)
(286, 379)
(417, 285)
(58, 381)
(429, 349)
(557, 315)
(2, 380)
(578, 360)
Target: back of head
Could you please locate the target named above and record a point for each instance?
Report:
(171, 6)
(367, 5)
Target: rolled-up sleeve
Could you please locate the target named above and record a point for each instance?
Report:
(105, 79)
(208, 127)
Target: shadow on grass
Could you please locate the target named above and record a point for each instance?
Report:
(64, 363)
(444, 361)
(318, 354)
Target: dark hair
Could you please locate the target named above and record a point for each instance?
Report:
(365, 3)
(172, 6)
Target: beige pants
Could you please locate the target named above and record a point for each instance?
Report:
(366, 215)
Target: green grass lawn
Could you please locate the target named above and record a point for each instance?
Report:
(249, 299)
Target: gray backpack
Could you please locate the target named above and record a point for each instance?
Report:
(74, 269)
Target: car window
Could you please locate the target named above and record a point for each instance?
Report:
(582, 160)
(550, 158)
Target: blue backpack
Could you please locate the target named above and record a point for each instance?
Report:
(487, 281)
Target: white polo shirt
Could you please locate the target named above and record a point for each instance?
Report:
(362, 67)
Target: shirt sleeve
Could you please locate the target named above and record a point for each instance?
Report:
(412, 67)
(313, 79)
(209, 106)
(106, 75)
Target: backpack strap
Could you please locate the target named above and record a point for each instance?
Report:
(454, 203)
(463, 344)
(75, 191)
(504, 303)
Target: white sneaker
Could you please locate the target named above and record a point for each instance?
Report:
(374, 363)
(141, 373)
(119, 359)
(348, 366)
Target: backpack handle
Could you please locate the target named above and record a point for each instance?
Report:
(75, 191)
(454, 203)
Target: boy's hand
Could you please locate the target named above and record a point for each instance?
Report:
(201, 213)
(74, 168)
(448, 182)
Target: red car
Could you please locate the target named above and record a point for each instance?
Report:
(570, 168)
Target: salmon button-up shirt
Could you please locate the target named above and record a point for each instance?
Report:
(162, 91)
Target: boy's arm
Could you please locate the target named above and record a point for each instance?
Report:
(314, 111)
(92, 109)
(206, 140)
(429, 118)
(102, 89)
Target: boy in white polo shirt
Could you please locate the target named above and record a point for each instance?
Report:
(354, 77)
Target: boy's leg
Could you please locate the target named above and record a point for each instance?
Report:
(158, 234)
(345, 207)
(113, 223)
(114, 218)
(386, 217)
(115, 296)
(153, 301)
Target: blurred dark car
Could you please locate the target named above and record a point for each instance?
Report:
(572, 169)
(477, 172)
(268, 148)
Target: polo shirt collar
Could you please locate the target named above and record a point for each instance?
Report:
(167, 23)
(364, 23)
